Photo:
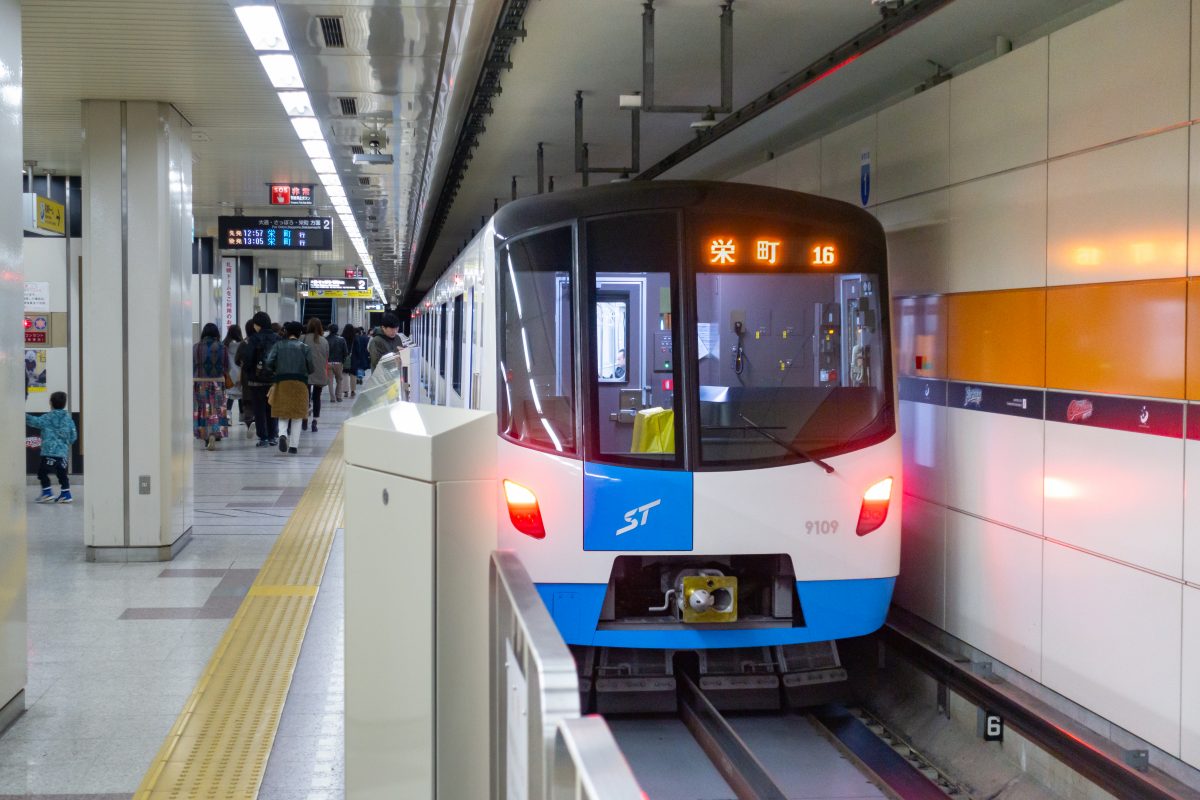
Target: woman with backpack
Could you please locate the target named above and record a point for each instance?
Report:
(259, 379)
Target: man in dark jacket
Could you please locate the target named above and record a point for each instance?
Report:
(338, 350)
(260, 379)
(386, 340)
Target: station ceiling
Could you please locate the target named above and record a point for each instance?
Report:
(409, 68)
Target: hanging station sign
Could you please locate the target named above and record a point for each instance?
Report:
(337, 288)
(291, 194)
(275, 233)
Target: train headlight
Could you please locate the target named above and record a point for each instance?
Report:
(874, 506)
(523, 510)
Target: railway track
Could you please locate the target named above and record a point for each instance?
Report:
(698, 753)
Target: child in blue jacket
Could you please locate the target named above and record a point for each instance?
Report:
(58, 434)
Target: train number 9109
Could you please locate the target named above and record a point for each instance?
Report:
(821, 527)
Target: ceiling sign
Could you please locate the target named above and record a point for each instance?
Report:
(291, 194)
(353, 288)
(275, 233)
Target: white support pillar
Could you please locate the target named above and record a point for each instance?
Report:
(13, 494)
(137, 209)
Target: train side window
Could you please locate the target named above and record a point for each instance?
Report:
(456, 361)
(536, 348)
(633, 283)
(443, 313)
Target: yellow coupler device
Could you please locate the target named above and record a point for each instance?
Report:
(709, 598)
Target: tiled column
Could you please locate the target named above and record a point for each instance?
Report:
(137, 382)
(12, 427)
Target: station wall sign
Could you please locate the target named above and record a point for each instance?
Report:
(337, 288)
(291, 194)
(275, 233)
(37, 329)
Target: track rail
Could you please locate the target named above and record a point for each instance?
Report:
(744, 773)
(1098, 761)
(762, 755)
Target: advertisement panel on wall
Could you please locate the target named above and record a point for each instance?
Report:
(229, 289)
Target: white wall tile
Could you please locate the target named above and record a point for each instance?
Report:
(1111, 642)
(764, 174)
(841, 161)
(993, 590)
(914, 144)
(800, 169)
(923, 443)
(1118, 73)
(1118, 494)
(994, 467)
(1190, 744)
(921, 586)
(1194, 197)
(1120, 213)
(1191, 511)
(998, 232)
(918, 239)
(998, 113)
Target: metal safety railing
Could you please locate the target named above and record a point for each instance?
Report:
(540, 747)
(588, 765)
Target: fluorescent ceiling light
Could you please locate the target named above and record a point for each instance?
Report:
(296, 103)
(308, 128)
(282, 71)
(324, 166)
(335, 191)
(328, 178)
(262, 27)
(317, 149)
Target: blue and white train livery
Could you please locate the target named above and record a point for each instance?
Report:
(693, 385)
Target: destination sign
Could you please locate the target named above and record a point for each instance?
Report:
(351, 288)
(291, 194)
(275, 233)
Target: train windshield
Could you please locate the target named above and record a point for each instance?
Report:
(791, 366)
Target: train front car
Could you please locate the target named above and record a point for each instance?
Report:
(698, 442)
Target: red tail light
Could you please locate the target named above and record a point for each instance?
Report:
(874, 506)
(523, 510)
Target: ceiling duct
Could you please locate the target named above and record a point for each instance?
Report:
(356, 149)
(863, 42)
(331, 31)
(349, 106)
(364, 181)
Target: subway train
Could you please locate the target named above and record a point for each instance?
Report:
(693, 386)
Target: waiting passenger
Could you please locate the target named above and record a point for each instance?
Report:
(314, 340)
(360, 357)
(337, 360)
(387, 340)
(241, 356)
(210, 370)
(260, 380)
(58, 434)
(291, 362)
(233, 386)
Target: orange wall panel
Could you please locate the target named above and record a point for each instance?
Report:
(1117, 338)
(1193, 339)
(998, 337)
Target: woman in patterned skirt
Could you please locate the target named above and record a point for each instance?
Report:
(210, 366)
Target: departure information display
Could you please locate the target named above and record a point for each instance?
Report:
(275, 233)
(352, 288)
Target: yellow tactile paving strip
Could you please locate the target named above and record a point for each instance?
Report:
(218, 747)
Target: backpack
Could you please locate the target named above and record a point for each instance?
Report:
(262, 373)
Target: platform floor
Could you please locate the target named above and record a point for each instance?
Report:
(115, 650)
